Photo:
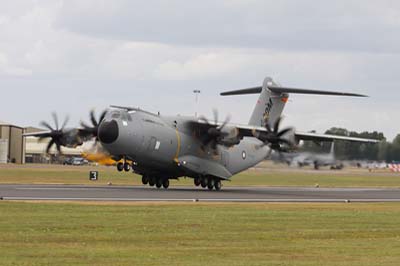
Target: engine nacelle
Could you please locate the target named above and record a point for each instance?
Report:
(229, 136)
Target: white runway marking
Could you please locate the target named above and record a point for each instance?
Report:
(55, 188)
(199, 200)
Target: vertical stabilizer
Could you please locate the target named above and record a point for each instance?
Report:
(332, 151)
(269, 105)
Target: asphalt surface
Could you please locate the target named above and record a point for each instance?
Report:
(227, 194)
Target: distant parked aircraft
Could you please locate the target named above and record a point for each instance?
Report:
(309, 158)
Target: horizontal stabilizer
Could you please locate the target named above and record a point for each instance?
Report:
(276, 89)
(255, 90)
(306, 91)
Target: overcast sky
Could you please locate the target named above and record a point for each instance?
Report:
(74, 55)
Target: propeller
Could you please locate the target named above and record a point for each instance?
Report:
(93, 129)
(274, 137)
(56, 134)
(214, 132)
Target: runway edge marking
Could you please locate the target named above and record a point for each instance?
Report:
(196, 200)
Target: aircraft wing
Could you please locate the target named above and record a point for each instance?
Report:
(40, 134)
(327, 137)
(251, 131)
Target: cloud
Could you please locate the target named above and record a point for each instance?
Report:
(73, 55)
(301, 25)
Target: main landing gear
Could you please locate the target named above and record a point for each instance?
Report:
(208, 182)
(123, 166)
(153, 181)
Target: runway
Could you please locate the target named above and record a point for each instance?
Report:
(227, 194)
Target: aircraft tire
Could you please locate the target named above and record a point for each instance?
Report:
(204, 182)
(145, 179)
(120, 167)
(127, 167)
(197, 181)
(165, 183)
(152, 181)
(217, 185)
(210, 184)
(159, 183)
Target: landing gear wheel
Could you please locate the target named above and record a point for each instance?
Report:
(159, 183)
(145, 179)
(120, 167)
(127, 167)
(204, 182)
(218, 185)
(165, 183)
(197, 181)
(210, 184)
(152, 181)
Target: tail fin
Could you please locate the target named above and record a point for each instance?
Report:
(332, 151)
(272, 100)
(269, 105)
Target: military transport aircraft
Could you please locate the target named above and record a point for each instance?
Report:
(301, 159)
(161, 148)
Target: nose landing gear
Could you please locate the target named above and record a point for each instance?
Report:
(123, 166)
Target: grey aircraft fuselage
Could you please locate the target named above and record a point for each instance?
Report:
(157, 143)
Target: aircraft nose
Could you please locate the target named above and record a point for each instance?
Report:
(108, 131)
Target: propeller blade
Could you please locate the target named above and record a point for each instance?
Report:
(55, 118)
(102, 116)
(277, 124)
(49, 145)
(58, 147)
(66, 120)
(227, 119)
(285, 131)
(203, 118)
(93, 118)
(85, 126)
(215, 113)
(46, 125)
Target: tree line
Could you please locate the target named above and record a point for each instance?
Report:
(345, 150)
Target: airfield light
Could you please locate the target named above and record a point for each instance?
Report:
(196, 93)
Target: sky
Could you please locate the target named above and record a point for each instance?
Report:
(75, 55)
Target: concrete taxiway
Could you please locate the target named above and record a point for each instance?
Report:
(227, 194)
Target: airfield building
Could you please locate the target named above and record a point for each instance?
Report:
(12, 143)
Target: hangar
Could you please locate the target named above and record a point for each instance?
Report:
(12, 143)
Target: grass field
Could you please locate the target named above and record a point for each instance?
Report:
(266, 174)
(199, 234)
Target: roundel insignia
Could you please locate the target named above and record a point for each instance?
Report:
(243, 155)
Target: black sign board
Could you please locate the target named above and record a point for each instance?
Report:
(93, 175)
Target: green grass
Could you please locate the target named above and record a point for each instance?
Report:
(199, 234)
(267, 175)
